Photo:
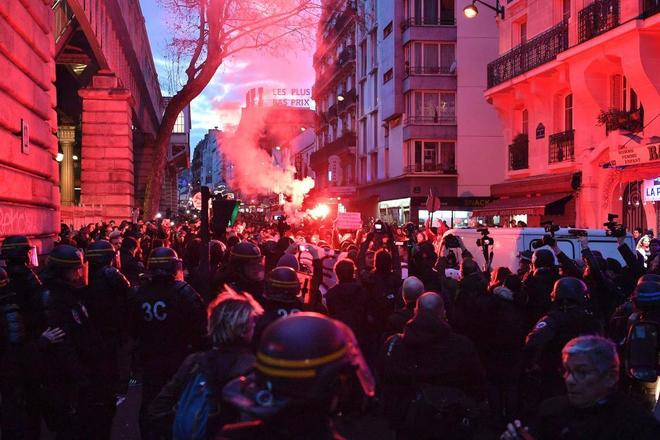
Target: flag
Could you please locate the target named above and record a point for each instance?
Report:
(432, 202)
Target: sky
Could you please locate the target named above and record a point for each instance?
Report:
(220, 102)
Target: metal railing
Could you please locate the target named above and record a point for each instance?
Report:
(436, 168)
(346, 55)
(444, 20)
(525, 57)
(427, 70)
(632, 121)
(436, 119)
(518, 157)
(650, 7)
(562, 147)
(597, 18)
(63, 16)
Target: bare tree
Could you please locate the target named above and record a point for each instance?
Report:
(207, 32)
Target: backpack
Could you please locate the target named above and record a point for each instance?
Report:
(198, 408)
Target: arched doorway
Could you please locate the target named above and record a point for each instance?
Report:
(633, 206)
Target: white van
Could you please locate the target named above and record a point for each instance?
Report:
(509, 242)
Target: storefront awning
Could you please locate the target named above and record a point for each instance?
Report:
(523, 205)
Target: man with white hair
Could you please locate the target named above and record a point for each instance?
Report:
(593, 407)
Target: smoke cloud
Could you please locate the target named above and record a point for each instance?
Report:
(255, 173)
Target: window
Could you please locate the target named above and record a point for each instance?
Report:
(363, 169)
(429, 58)
(373, 47)
(430, 12)
(363, 58)
(568, 112)
(363, 100)
(387, 76)
(523, 32)
(448, 156)
(363, 135)
(375, 91)
(387, 30)
(566, 9)
(374, 121)
(374, 166)
(179, 125)
(616, 87)
(386, 163)
(524, 128)
(431, 107)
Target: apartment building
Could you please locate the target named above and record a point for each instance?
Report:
(422, 123)
(576, 87)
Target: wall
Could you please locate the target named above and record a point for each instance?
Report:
(480, 155)
(29, 202)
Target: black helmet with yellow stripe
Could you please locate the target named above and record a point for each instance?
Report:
(244, 252)
(163, 262)
(100, 253)
(282, 285)
(65, 256)
(15, 246)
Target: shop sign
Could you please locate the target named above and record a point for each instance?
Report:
(652, 190)
(633, 153)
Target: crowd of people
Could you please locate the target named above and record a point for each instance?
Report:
(283, 332)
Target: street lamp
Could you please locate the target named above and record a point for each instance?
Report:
(471, 11)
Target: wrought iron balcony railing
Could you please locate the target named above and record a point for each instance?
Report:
(518, 157)
(562, 147)
(525, 57)
(632, 121)
(427, 70)
(597, 18)
(650, 7)
(347, 55)
(435, 168)
(446, 19)
(436, 119)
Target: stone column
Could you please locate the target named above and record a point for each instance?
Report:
(107, 172)
(66, 135)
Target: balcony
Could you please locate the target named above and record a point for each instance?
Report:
(447, 19)
(345, 144)
(525, 57)
(562, 147)
(444, 118)
(614, 119)
(430, 168)
(650, 7)
(519, 156)
(597, 18)
(350, 98)
(427, 70)
(346, 56)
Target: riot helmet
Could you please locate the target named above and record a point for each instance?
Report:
(100, 253)
(282, 285)
(65, 263)
(570, 291)
(163, 262)
(15, 247)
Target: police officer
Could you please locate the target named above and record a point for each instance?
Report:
(168, 320)
(281, 298)
(538, 285)
(68, 366)
(569, 317)
(105, 298)
(245, 271)
(304, 363)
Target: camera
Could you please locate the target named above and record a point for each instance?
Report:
(302, 248)
(451, 241)
(409, 229)
(549, 237)
(278, 218)
(378, 226)
(614, 229)
(485, 240)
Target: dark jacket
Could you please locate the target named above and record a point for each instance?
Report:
(429, 352)
(131, 267)
(29, 289)
(169, 322)
(396, 322)
(347, 302)
(219, 366)
(536, 290)
(106, 300)
(383, 291)
(616, 418)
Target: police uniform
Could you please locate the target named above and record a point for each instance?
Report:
(168, 320)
